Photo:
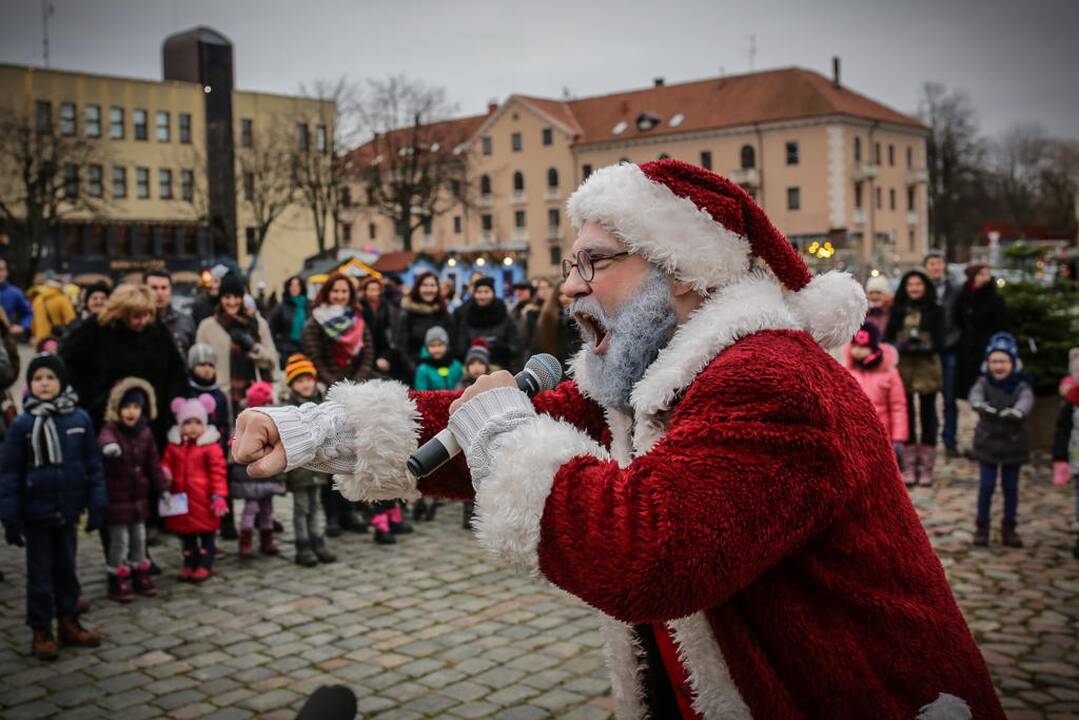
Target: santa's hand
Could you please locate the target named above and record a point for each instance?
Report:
(502, 378)
(257, 444)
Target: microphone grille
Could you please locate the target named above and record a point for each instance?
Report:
(547, 369)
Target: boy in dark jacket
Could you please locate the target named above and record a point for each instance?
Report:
(132, 470)
(305, 484)
(50, 472)
(1003, 398)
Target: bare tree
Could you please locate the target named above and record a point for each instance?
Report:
(314, 155)
(40, 173)
(267, 185)
(414, 168)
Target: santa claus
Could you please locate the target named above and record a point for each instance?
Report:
(711, 479)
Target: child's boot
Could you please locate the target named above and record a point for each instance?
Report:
(927, 456)
(318, 544)
(910, 464)
(381, 523)
(143, 584)
(397, 525)
(44, 645)
(119, 582)
(266, 544)
(247, 541)
(1008, 536)
(419, 510)
(71, 633)
(305, 555)
(981, 533)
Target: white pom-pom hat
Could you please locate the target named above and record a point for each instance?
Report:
(706, 230)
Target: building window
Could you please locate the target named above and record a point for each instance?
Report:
(876, 154)
(251, 243)
(556, 255)
(554, 218)
(372, 231)
(346, 233)
(891, 155)
(43, 116)
(119, 181)
(162, 122)
(94, 185)
(891, 198)
(139, 120)
(249, 186)
(519, 219)
(187, 185)
(320, 138)
(794, 198)
(164, 184)
(586, 170)
(749, 157)
(910, 241)
(548, 137)
(247, 138)
(879, 202)
(487, 222)
(858, 195)
(518, 182)
(455, 188)
(303, 136)
(485, 185)
(910, 156)
(346, 197)
(67, 119)
(552, 178)
(706, 159)
(185, 128)
(664, 156)
(486, 144)
(792, 153)
(457, 224)
(142, 183)
(116, 123)
(71, 181)
(92, 120)
(910, 198)
(857, 150)
(516, 142)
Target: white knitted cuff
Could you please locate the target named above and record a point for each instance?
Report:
(311, 435)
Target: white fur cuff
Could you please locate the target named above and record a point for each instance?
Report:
(381, 430)
(510, 502)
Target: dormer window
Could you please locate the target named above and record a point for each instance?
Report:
(646, 121)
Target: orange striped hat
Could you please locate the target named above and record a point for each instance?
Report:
(299, 364)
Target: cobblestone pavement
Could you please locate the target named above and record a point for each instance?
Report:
(432, 628)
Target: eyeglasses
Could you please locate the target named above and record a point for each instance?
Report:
(586, 264)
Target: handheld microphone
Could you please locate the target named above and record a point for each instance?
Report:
(542, 372)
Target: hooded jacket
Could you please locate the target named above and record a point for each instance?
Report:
(196, 467)
(130, 477)
(52, 312)
(884, 388)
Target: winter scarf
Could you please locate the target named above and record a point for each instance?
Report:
(244, 334)
(344, 327)
(1008, 383)
(44, 440)
(299, 316)
(490, 315)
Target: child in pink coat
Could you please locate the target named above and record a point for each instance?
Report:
(873, 365)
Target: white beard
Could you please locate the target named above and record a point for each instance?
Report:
(639, 330)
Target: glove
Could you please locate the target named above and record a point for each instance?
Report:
(985, 409)
(219, 506)
(1061, 472)
(112, 450)
(93, 521)
(1011, 414)
(13, 535)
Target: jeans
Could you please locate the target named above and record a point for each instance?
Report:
(927, 413)
(263, 508)
(127, 544)
(52, 587)
(1009, 479)
(193, 555)
(951, 411)
(307, 514)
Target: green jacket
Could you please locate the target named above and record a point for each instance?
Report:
(441, 374)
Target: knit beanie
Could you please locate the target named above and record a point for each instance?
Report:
(231, 284)
(436, 334)
(134, 396)
(484, 281)
(1003, 342)
(259, 394)
(299, 365)
(98, 287)
(878, 283)
(198, 408)
(478, 351)
(49, 361)
(201, 354)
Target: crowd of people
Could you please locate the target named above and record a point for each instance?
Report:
(129, 405)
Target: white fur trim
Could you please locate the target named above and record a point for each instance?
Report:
(209, 436)
(669, 230)
(715, 695)
(623, 652)
(510, 502)
(385, 427)
(832, 307)
(945, 707)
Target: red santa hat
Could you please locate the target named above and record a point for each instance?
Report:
(707, 231)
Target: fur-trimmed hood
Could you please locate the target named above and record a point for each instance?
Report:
(112, 406)
(210, 436)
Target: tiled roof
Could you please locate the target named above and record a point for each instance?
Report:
(447, 133)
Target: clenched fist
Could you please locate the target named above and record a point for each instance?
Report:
(258, 445)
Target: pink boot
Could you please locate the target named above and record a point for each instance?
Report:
(927, 456)
(397, 525)
(910, 464)
(381, 523)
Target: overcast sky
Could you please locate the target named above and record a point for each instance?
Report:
(1018, 61)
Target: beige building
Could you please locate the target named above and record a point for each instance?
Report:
(840, 174)
(159, 168)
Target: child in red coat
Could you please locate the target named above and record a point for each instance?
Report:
(196, 465)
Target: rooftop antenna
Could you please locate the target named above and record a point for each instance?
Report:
(46, 12)
(752, 51)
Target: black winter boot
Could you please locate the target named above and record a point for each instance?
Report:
(1008, 536)
(419, 510)
(385, 537)
(305, 555)
(318, 544)
(981, 533)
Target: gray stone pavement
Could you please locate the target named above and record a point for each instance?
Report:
(432, 627)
